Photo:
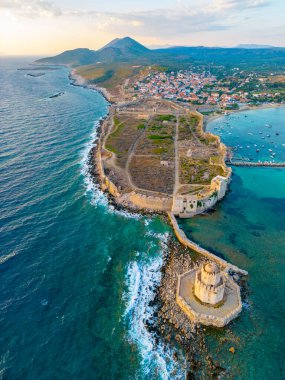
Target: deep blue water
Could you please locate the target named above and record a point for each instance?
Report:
(76, 276)
(248, 229)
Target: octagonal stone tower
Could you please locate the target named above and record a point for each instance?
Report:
(209, 284)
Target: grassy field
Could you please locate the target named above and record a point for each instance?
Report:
(149, 147)
(159, 138)
(197, 171)
(199, 153)
(126, 131)
(107, 75)
(148, 173)
(155, 145)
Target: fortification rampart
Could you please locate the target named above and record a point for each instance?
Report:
(211, 319)
(150, 202)
(106, 183)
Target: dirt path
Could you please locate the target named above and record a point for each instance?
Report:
(176, 183)
(131, 153)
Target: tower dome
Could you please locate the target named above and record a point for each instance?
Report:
(210, 274)
(209, 283)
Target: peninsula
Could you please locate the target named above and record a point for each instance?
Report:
(153, 154)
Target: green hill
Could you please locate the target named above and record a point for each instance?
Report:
(120, 59)
(76, 57)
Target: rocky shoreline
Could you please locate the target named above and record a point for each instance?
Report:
(173, 327)
(93, 168)
(77, 80)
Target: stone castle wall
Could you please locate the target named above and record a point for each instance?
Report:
(209, 319)
(150, 202)
(106, 183)
(195, 247)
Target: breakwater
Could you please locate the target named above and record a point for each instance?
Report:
(263, 164)
(180, 234)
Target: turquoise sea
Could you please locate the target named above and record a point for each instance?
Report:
(248, 229)
(77, 277)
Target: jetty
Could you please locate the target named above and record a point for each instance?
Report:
(258, 164)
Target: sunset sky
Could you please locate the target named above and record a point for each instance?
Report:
(43, 27)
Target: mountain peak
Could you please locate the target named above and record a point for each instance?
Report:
(125, 43)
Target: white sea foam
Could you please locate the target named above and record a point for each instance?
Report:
(147, 222)
(93, 189)
(142, 279)
(4, 258)
(126, 214)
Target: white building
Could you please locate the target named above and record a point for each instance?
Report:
(219, 184)
(187, 205)
(184, 204)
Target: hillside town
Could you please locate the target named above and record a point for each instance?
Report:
(204, 88)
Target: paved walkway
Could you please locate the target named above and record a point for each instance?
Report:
(176, 183)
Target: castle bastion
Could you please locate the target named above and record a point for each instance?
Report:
(208, 296)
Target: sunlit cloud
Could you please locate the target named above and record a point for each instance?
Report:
(54, 25)
(238, 4)
(30, 8)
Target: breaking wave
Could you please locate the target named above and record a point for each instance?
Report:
(92, 189)
(142, 279)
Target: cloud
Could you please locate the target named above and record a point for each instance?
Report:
(184, 19)
(238, 4)
(30, 8)
(160, 21)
